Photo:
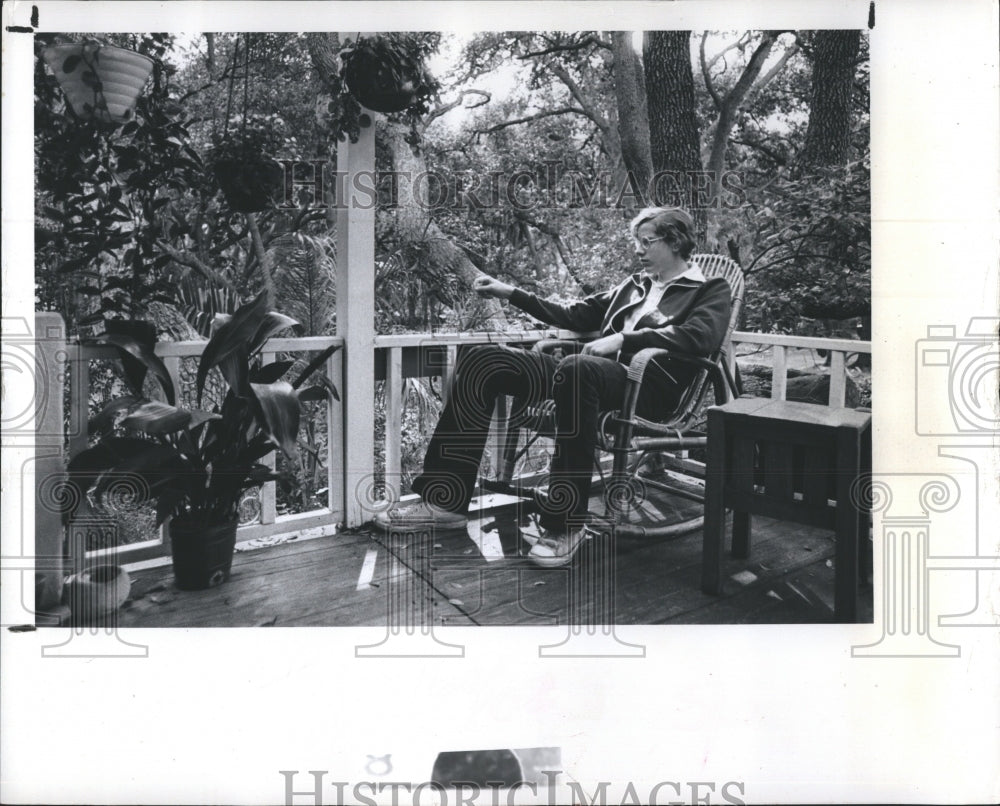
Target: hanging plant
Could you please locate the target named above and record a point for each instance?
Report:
(387, 74)
(102, 82)
(242, 158)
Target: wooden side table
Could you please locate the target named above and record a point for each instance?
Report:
(791, 461)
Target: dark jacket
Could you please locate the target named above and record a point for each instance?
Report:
(692, 316)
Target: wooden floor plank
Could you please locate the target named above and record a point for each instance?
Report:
(482, 576)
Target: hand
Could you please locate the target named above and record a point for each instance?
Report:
(491, 287)
(606, 345)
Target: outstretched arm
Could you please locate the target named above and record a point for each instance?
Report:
(584, 315)
(491, 287)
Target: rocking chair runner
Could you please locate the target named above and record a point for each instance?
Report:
(625, 434)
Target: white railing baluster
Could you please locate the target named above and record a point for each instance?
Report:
(268, 490)
(451, 357)
(335, 435)
(499, 427)
(394, 390)
(779, 372)
(79, 399)
(838, 380)
(173, 365)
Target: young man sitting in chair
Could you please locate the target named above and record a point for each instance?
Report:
(669, 304)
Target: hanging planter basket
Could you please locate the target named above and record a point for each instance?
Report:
(202, 553)
(249, 185)
(383, 77)
(101, 82)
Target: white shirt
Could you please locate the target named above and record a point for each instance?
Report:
(652, 300)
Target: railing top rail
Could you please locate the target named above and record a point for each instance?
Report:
(474, 337)
(814, 342)
(183, 349)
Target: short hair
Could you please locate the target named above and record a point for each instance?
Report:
(672, 224)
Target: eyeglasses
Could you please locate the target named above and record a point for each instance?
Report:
(645, 242)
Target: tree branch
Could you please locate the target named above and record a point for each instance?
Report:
(194, 262)
(770, 153)
(445, 108)
(538, 116)
(732, 101)
(706, 74)
(574, 89)
(590, 40)
(777, 68)
(739, 43)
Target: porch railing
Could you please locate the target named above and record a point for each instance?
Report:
(397, 358)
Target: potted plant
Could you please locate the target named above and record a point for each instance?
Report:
(196, 464)
(387, 73)
(101, 82)
(242, 158)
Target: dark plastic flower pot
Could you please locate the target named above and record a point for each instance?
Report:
(202, 553)
(249, 185)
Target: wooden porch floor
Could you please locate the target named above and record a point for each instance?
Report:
(483, 577)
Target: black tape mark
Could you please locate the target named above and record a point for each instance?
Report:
(24, 29)
(871, 15)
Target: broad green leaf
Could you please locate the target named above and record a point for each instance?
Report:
(103, 421)
(138, 357)
(273, 322)
(167, 501)
(232, 338)
(269, 373)
(279, 405)
(317, 392)
(153, 466)
(159, 418)
(315, 364)
(84, 468)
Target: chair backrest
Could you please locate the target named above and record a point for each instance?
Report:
(694, 395)
(722, 266)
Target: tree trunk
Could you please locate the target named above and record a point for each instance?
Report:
(673, 126)
(829, 131)
(633, 118)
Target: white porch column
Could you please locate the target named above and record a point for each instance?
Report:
(356, 317)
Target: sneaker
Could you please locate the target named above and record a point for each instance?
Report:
(554, 549)
(418, 516)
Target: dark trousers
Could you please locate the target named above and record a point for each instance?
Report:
(580, 385)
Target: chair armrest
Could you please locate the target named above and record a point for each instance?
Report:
(641, 360)
(567, 346)
(637, 367)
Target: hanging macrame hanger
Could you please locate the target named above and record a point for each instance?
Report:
(232, 80)
(246, 83)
